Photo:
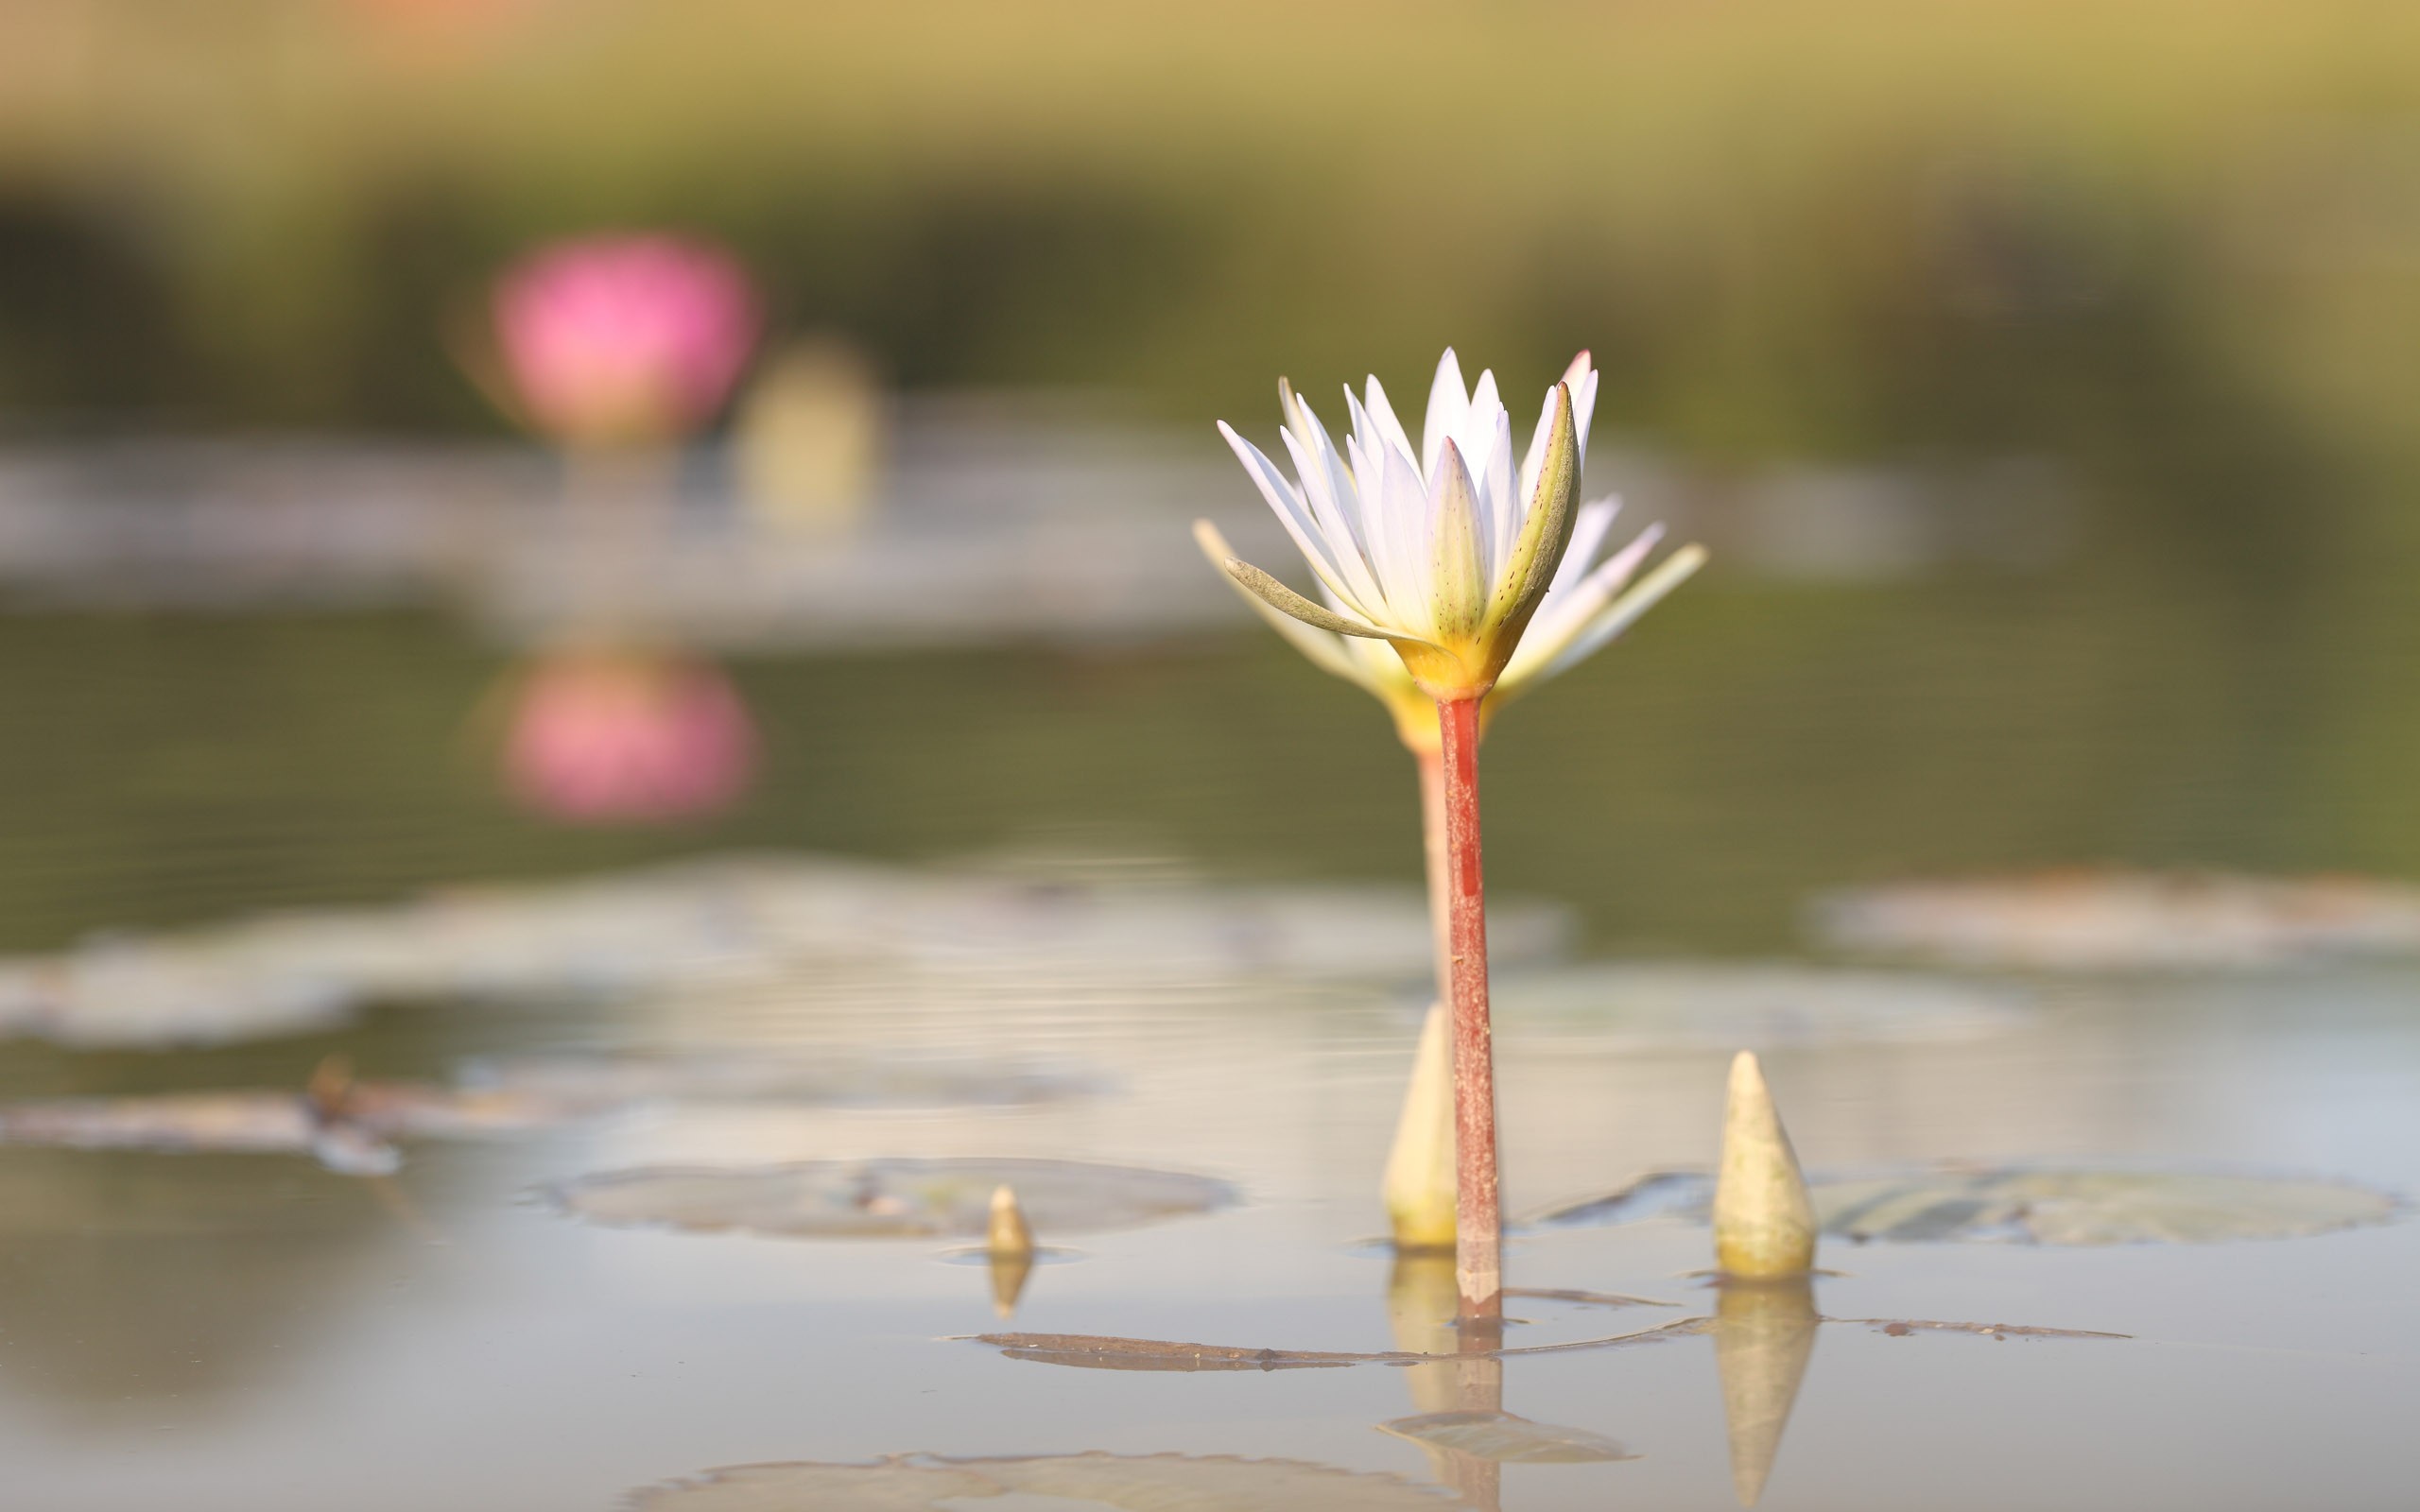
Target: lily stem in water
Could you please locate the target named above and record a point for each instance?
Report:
(1478, 1219)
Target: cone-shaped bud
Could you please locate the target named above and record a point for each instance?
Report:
(1419, 1188)
(1764, 1224)
(1008, 1235)
(1763, 1334)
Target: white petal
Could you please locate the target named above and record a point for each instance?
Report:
(1385, 536)
(1624, 612)
(1412, 588)
(1292, 514)
(1535, 458)
(1458, 555)
(1503, 503)
(1341, 533)
(1560, 616)
(1478, 428)
(1390, 430)
(1583, 409)
(1328, 651)
(1449, 402)
(1307, 426)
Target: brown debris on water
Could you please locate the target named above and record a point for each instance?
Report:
(1900, 1327)
(893, 1198)
(1099, 1351)
(1133, 1483)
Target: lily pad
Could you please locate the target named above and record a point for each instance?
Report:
(887, 1198)
(1506, 1438)
(680, 927)
(1691, 1005)
(1153, 1483)
(356, 1138)
(2122, 921)
(608, 1082)
(2052, 1205)
(2093, 1207)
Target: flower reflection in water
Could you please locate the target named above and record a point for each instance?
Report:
(603, 737)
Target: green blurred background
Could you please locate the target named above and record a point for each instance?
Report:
(2171, 246)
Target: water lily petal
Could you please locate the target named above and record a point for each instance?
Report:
(1412, 588)
(1588, 530)
(1339, 528)
(1292, 513)
(1618, 615)
(1390, 430)
(1449, 402)
(1581, 376)
(1457, 560)
(1325, 649)
(1567, 611)
(1545, 523)
(1497, 492)
(1285, 601)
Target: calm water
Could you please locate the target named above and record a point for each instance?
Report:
(252, 1332)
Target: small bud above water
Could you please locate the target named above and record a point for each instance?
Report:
(1009, 1236)
(1764, 1223)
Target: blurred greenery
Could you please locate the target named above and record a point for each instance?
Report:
(1787, 226)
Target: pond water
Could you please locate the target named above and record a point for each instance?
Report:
(252, 1330)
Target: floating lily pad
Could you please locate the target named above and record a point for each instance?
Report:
(2101, 920)
(607, 1082)
(684, 926)
(2018, 1206)
(887, 1198)
(358, 1139)
(2094, 1208)
(1506, 1438)
(1154, 1483)
(1683, 1005)
(1685, 1194)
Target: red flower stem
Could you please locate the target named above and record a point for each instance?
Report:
(1478, 1270)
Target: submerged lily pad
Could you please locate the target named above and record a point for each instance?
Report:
(2022, 1206)
(608, 1082)
(1507, 1439)
(682, 926)
(887, 1198)
(1685, 1006)
(357, 1136)
(2093, 1207)
(1153, 1483)
(2101, 920)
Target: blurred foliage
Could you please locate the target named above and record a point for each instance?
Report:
(1786, 225)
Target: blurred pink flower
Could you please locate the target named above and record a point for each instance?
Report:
(624, 338)
(603, 737)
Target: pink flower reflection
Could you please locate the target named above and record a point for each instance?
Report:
(624, 338)
(603, 737)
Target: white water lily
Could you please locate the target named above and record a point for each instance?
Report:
(1584, 604)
